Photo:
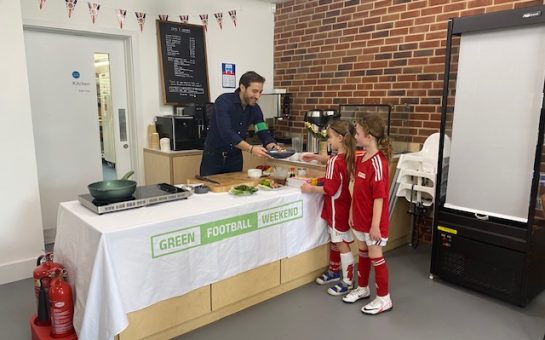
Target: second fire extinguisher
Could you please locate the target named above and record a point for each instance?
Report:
(43, 272)
(61, 306)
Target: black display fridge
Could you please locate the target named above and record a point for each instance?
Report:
(489, 225)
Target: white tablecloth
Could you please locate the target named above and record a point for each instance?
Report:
(125, 261)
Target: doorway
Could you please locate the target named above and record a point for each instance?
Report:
(80, 116)
(105, 115)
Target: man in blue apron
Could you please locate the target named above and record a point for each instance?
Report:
(233, 113)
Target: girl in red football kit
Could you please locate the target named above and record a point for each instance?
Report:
(369, 214)
(336, 208)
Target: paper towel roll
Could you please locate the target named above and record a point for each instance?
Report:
(151, 130)
(165, 144)
(154, 141)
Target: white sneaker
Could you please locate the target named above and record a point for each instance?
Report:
(379, 305)
(357, 294)
(340, 288)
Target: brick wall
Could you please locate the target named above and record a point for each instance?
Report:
(331, 52)
(424, 225)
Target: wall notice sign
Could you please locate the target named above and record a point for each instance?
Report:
(228, 76)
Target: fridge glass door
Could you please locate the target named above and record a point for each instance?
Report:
(499, 90)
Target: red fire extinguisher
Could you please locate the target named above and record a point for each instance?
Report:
(43, 273)
(61, 306)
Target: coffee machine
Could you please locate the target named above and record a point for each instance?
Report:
(186, 129)
(316, 119)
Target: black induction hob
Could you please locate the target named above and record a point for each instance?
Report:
(144, 195)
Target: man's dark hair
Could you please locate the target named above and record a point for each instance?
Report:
(250, 77)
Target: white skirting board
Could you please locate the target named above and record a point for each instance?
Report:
(15, 271)
(49, 235)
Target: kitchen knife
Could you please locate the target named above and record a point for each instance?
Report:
(206, 179)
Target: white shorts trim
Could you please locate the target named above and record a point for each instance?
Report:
(340, 236)
(364, 237)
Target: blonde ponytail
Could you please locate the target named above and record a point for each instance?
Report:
(385, 146)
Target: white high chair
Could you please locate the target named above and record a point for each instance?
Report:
(417, 172)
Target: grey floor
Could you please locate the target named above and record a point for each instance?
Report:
(423, 309)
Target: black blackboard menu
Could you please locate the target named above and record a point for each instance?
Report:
(182, 53)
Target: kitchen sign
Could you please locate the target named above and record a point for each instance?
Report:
(186, 238)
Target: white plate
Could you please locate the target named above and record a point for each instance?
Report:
(266, 188)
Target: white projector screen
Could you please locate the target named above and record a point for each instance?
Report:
(499, 93)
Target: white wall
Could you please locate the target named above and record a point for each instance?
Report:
(249, 46)
(21, 238)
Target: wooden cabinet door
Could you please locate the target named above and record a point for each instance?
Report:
(156, 168)
(185, 167)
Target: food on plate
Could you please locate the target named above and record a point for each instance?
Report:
(267, 169)
(243, 190)
(278, 150)
(269, 183)
(281, 153)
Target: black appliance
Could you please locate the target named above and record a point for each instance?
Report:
(143, 196)
(185, 132)
(502, 255)
(315, 117)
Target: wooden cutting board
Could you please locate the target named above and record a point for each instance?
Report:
(227, 181)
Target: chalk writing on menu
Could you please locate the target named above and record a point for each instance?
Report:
(183, 57)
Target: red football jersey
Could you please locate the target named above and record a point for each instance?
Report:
(371, 181)
(337, 194)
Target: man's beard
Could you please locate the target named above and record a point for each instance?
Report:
(250, 101)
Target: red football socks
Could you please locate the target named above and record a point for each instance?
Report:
(381, 275)
(334, 258)
(364, 266)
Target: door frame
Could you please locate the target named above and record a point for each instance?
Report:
(130, 44)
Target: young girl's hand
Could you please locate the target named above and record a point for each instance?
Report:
(374, 233)
(306, 187)
(307, 157)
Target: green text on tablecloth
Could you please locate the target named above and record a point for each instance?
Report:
(211, 232)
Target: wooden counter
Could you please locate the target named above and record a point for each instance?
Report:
(173, 167)
(207, 304)
(176, 167)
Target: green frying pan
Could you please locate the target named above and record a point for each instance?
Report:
(112, 190)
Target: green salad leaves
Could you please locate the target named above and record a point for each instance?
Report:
(243, 190)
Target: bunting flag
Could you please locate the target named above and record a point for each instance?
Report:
(204, 20)
(93, 11)
(70, 6)
(121, 14)
(233, 15)
(219, 19)
(141, 19)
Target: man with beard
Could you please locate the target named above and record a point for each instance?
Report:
(233, 113)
